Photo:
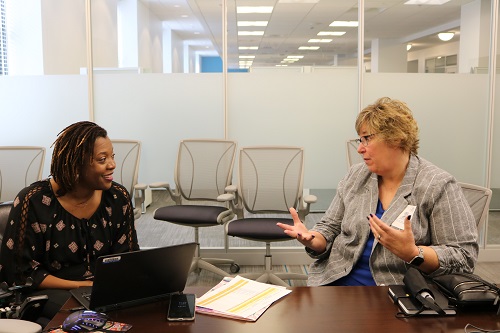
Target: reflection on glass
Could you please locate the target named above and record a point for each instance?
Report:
(391, 28)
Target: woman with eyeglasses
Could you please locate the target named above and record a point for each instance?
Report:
(394, 211)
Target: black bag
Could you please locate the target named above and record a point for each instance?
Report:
(468, 290)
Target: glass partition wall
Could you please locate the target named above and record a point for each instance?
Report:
(287, 72)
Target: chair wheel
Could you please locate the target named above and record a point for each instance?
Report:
(235, 268)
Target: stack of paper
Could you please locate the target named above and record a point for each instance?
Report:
(240, 298)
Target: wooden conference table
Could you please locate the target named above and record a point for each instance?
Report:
(304, 310)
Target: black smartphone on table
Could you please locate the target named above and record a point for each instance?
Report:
(181, 307)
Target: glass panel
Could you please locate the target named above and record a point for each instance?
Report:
(400, 32)
(493, 227)
(291, 34)
(41, 89)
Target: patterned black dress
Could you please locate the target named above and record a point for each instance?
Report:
(43, 238)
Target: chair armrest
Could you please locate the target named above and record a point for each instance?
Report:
(231, 188)
(140, 197)
(225, 197)
(140, 187)
(310, 198)
(160, 185)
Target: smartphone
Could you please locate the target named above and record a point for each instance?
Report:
(181, 307)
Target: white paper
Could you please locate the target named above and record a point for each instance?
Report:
(241, 298)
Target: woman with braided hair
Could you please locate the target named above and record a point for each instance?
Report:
(59, 226)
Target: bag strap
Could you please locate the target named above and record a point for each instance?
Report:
(476, 278)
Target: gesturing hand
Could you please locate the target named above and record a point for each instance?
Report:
(299, 231)
(399, 242)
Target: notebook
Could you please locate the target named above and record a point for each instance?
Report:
(132, 278)
(410, 306)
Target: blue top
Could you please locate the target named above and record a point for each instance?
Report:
(361, 274)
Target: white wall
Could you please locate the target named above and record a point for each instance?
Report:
(177, 53)
(63, 31)
(24, 37)
(150, 40)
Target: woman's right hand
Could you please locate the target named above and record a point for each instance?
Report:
(313, 240)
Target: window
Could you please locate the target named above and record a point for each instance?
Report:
(444, 64)
(3, 41)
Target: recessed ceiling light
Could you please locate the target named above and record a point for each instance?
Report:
(252, 23)
(295, 57)
(254, 9)
(331, 33)
(323, 40)
(308, 47)
(446, 36)
(344, 24)
(246, 56)
(248, 48)
(426, 2)
(250, 33)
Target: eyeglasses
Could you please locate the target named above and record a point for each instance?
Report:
(365, 139)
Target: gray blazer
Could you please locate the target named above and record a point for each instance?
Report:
(442, 220)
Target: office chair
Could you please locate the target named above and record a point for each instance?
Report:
(19, 167)
(12, 325)
(353, 157)
(479, 199)
(269, 183)
(4, 216)
(127, 158)
(203, 169)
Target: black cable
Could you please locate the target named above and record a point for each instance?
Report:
(479, 330)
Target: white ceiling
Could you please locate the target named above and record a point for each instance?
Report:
(293, 22)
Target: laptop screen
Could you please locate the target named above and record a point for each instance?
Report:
(138, 277)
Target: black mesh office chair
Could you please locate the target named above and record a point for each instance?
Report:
(204, 168)
(269, 183)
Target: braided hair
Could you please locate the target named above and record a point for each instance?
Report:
(73, 150)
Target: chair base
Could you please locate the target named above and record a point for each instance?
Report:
(208, 264)
(269, 276)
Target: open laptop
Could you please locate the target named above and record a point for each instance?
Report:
(132, 278)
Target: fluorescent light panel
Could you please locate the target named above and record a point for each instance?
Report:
(248, 48)
(254, 9)
(344, 24)
(308, 47)
(246, 56)
(331, 33)
(250, 33)
(252, 23)
(322, 40)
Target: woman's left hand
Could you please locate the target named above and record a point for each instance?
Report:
(399, 242)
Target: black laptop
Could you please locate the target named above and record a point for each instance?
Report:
(139, 277)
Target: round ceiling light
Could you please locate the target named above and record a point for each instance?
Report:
(446, 36)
